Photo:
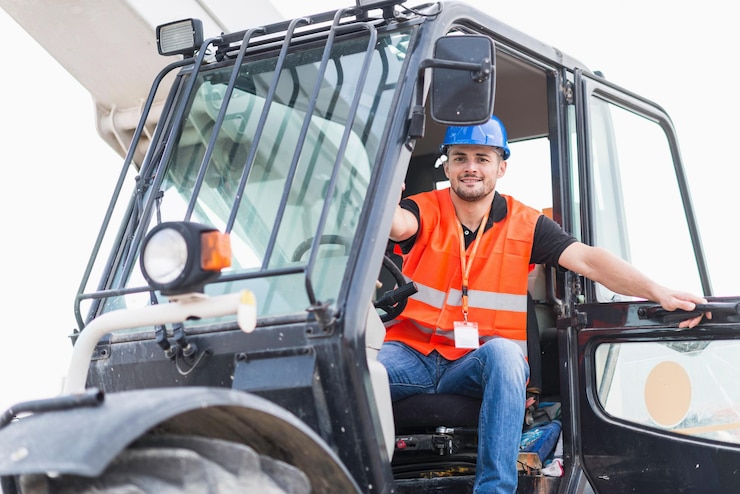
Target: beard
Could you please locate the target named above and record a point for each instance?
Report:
(473, 194)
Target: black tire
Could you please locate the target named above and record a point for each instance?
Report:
(177, 465)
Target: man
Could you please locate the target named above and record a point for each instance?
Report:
(468, 249)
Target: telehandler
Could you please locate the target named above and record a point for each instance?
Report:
(230, 315)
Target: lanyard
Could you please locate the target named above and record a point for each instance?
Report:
(465, 264)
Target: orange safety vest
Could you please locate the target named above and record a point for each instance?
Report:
(497, 288)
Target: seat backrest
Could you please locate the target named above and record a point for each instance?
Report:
(534, 352)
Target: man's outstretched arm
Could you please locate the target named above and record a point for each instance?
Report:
(618, 275)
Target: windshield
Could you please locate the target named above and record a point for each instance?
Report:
(277, 168)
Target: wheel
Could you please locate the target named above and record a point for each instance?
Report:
(180, 464)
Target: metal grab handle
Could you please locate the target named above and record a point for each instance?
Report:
(658, 312)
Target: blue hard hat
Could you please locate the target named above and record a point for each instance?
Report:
(491, 133)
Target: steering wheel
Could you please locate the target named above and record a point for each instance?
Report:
(393, 307)
(390, 304)
(305, 246)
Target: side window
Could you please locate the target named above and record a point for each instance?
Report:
(687, 387)
(637, 207)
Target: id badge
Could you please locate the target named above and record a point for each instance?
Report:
(466, 334)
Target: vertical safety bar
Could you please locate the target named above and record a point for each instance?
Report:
(220, 119)
(263, 118)
(301, 140)
(340, 155)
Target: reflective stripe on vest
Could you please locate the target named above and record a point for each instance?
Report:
(430, 296)
(476, 298)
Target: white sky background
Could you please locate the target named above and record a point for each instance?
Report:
(57, 173)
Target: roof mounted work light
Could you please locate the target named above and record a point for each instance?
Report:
(180, 257)
(180, 37)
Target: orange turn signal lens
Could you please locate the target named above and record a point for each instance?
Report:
(215, 251)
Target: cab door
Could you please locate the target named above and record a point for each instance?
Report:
(655, 409)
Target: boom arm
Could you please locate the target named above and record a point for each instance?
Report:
(109, 47)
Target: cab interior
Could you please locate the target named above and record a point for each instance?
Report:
(521, 102)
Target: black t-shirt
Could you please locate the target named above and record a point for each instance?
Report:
(550, 240)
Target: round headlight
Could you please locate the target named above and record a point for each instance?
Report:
(165, 256)
(180, 257)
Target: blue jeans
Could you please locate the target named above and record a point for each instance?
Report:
(496, 372)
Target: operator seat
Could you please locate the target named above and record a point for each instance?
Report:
(437, 434)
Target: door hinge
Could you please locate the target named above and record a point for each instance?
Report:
(576, 319)
(571, 316)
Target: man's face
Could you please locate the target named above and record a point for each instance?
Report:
(473, 171)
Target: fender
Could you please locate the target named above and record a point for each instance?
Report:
(42, 442)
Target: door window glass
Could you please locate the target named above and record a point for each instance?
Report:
(687, 387)
(637, 207)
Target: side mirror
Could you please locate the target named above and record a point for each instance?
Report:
(463, 80)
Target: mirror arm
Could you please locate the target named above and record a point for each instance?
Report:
(480, 72)
(417, 123)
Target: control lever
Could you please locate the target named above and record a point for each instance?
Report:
(392, 297)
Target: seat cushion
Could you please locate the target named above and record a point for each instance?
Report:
(425, 412)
